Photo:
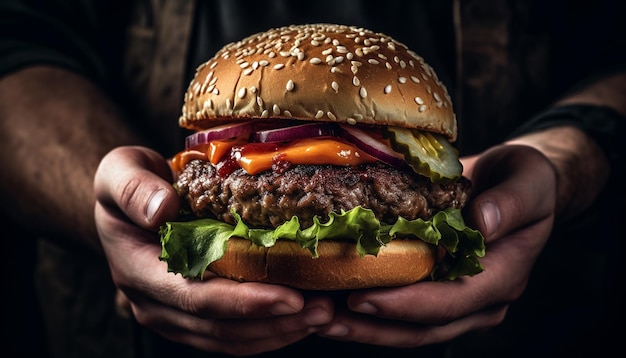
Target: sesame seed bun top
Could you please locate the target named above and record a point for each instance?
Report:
(320, 72)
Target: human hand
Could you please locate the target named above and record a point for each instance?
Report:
(134, 197)
(513, 206)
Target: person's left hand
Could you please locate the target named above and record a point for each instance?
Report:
(513, 206)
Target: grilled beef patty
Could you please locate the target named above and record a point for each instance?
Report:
(270, 198)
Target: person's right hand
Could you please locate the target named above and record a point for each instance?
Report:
(134, 197)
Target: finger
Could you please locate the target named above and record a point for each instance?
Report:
(514, 186)
(138, 272)
(138, 182)
(241, 336)
(365, 329)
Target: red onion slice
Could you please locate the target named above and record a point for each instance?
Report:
(302, 131)
(220, 132)
(372, 146)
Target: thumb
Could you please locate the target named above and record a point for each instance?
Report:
(137, 181)
(514, 186)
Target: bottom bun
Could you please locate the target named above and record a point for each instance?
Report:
(338, 267)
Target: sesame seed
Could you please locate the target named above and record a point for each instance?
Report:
(279, 66)
(264, 63)
(351, 121)
(355, 81)
(290, 86)
(315, 61)
(342, 49)
(265, 114)
(373, 61)
(247, 71)
(422, 108)
(335, 86)
(253, 89)
(259, 101)
(315, 43)
(208, 104)
(242, 92)
(229, 104)
(328, 51)
(244, 64)
(319, 114)
(415, 79)
(419, 100)
(388, 65)
(363, 92)
(387, 89)
(276, 109)
(331, 115)
(287, 114)
(436, 96)
(216, 91)
(334, 69)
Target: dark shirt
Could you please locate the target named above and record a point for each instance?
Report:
(501, 61)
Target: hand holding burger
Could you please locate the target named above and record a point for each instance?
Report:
(321, 159)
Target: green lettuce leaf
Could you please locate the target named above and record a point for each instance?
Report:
(189, 247)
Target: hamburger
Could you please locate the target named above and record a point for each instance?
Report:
(320, 157)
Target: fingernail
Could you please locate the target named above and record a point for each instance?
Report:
(491, 217)
(337, 330)
(154, 203)
(366, 308)
(316, 316)
(281, 308)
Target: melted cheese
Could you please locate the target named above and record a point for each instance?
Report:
(257, 157)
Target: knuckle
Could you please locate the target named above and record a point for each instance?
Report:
(128, 193)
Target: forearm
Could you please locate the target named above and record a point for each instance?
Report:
(581, 165)
(55, 128)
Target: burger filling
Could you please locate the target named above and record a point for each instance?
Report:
(269, 180)
(272, 197)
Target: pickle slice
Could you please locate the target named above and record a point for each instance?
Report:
(429, 154)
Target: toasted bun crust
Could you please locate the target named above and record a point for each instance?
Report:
(338, 266)
(320, 72)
